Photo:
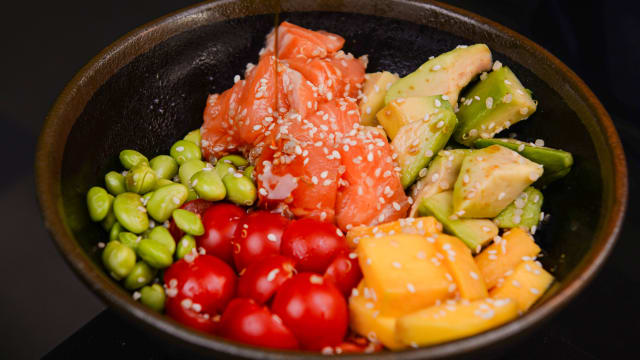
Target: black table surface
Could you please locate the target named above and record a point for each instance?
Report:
(45, 310)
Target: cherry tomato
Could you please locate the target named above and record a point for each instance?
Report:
(312, 244)
(313, 309)
(344, 272)
(353, 345)
(220, 222)
(263, 278)
(253, 324)
(257, 236)
(198, 288)
(197, 206)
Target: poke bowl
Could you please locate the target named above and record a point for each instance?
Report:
(341, 188)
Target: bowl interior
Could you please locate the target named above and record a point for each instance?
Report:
(159, 96)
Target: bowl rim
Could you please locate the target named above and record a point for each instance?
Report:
(48, 179)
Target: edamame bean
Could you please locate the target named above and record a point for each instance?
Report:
(248, 172)
(109, 221)
(164, 166)
(184, 151)
(140, 179)
(116, 229)
(240, 189)
(185, 246)
(99, 203)
(208, 185)
(130, 212)
(140, 275)
(129, 239)
(193, 136)
(191, 195)
(161, 235)
(188, 169)
(223, 169)
(166, 199)
(153, 296)
(163, 182)
(154, 253)
(118, 259)
(188, 222)
(146, 197)
(114, 181)
(236, 160)
(131, 158)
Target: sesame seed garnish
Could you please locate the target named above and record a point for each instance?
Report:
(272, 237)
(534, 291)
(524, 111)
(411, 288)
(421, 255)
(501, 195)
(436, 67)
(369, 305)
(496, 65)
(180, 148)
(272, 274)
(396, 264)
(489, 102)
(316, 279)
(539, 142)
(136, 295)
(473, 275)
(437, 102)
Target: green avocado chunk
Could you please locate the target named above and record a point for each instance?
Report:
(523, 212)
(492, 105)
(556, 163)
(444, 75)
(417, 142)
(475, 233)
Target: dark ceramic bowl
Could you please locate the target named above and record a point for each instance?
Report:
(149, 88)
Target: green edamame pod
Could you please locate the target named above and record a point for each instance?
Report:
(164, 166)
(118, 259)
(154, 253)
(248, 172)
(166, 199)
(114, 181)
(225, 168)
(185, 246)
(184, 151)
(208, 185)
(188, 169)
(235, 160)
(193, 136)
(130, 212)
(161, 235)
(153, 296)
(188, 222)
(140, 275)
(99, 203)
(108, 222)
(129, 239)
(116, 229)
(140, 179)
(131, 158)
(240, 189)
(163, 182)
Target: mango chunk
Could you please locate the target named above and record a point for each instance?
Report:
(515, 246)
(462, 267)
(525, 286)
(404, 272)
(366, 320)
(373, 92)
(453, 320)
(420, 226)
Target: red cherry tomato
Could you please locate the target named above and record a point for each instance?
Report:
(263, 278)
(198, 288)
(197, 206)
(312, 244)
(344, 272)
(220, 222)
(354, 347)
(257, 236)
(253, 324)
(313, 309)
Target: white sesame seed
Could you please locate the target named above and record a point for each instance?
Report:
(272, 274)
(316, 279)
(437, 102)
(436, 67)
(489, 102)
(539, 142)
(501, 195)
(136, 295)
(411, 288)
(524, 111)
(186, 303)
(473, 275)
(272, 237)
(396, 264)
(180, 148)
(496, 65)
(534, 291)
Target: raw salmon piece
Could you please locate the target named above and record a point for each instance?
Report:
(371, 192)
(338, 117)
(295, 41)
(352, 72)
(295, 93)
(324, 77)
(218, 129)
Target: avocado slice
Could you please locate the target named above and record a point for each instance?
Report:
(401, 112)
(475, 233)
(556, 163)
(444, 75)
(490, 179)
(418, 141)
(441, 175)
(492, 105)
(523, 212)
(373, 92)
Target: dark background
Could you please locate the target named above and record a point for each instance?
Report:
(45, 43)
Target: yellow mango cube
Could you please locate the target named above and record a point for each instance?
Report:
(366, 320)
(515, 246)
(453, 320)
(404, 271)
(421, 226)
(525, 286)
(462, 267)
